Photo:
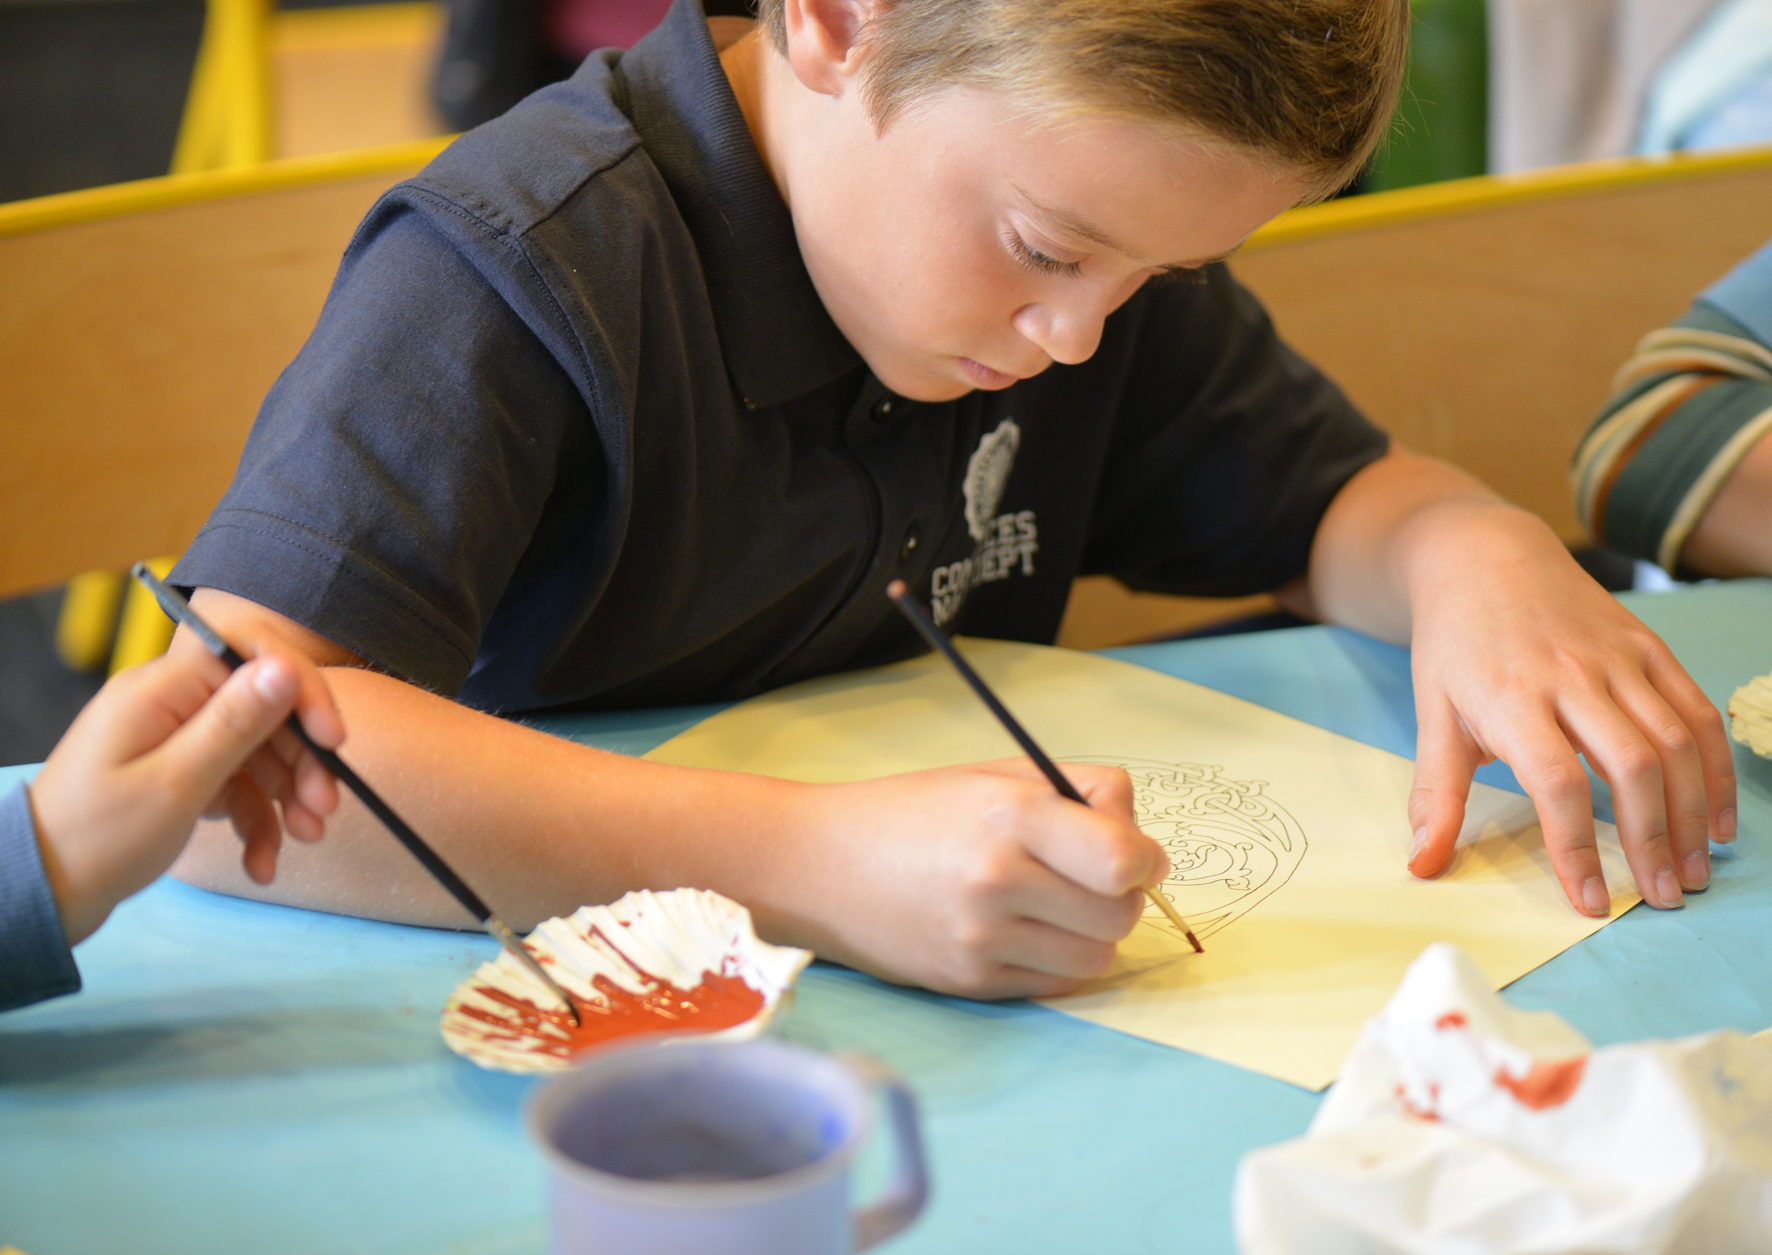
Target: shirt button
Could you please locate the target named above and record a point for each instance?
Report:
(883, 408)
(912, 536)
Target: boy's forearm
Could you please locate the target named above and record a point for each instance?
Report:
(1398, 523)
(536, 824)
(979, 880)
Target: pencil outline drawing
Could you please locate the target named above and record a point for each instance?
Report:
(1230, 845)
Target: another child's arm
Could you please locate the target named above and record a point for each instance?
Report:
(1734, 534)
(976, 880)
(1518, 655)
(165, 743)
(1671, 470)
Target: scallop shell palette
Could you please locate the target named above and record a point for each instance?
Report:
(683, 962)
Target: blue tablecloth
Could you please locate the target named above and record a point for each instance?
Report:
(243, 1078)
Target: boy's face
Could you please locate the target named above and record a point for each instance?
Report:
(970, 245)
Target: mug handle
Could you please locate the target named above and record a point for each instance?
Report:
(908, 1190)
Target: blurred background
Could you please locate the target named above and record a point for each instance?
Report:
(101, 92)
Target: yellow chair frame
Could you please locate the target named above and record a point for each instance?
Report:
(227, 118)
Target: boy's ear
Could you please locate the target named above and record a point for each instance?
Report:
(827, 41)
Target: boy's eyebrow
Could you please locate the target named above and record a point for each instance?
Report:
(1073, 225)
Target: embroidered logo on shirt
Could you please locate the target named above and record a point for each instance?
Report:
(1006, 542)
(986, 473)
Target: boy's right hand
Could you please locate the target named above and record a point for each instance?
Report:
(979, 880)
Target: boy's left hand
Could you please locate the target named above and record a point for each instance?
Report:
(1518, 655)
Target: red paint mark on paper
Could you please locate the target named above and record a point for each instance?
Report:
(1452, 1019)
(1545, 1085)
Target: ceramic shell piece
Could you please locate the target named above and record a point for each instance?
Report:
(638, 944)
(1750, 715)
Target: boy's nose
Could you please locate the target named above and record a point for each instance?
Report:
(1067, 334)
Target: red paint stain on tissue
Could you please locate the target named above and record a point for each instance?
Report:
(1545, 1085)
(1430, 1113)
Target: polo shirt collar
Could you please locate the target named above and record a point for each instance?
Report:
(777, 339)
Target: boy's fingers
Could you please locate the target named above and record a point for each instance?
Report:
(1102, 854)
(1019, 982)
(1040, 947)
(271, 774)
(1545, 764)
(1626, 760)
(1684, 802)
(1716, 759)
(1446, 759)
(301, 823)
(1054, 901)
(319, 717)
(238, 717)
(256, 824)
(138, 709)
(313, 704)
(1108, 789)
(315, 789)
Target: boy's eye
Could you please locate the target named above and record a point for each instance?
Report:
(1037, 261)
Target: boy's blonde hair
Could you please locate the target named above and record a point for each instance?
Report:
(1309, 84)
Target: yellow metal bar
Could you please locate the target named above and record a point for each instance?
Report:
(227, 120)
(87, 623)
(168, 191)
(199, 132)
(144, 632)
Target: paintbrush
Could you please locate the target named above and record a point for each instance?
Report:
(179, 610)
(902, 598)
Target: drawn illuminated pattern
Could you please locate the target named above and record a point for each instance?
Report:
(1229, 845)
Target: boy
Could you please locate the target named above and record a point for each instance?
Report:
(642, 393)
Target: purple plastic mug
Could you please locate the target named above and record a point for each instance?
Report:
(721, 1148)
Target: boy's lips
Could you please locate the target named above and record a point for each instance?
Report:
(984, 377)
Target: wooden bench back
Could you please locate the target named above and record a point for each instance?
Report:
(140, 328)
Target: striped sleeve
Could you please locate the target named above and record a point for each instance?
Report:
(34, 960)
(1685, 410)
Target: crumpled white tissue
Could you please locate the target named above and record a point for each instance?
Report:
(1460, 1126)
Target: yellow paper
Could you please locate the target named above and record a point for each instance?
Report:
(1288, 842)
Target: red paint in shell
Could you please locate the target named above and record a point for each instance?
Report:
(718, 1002)
(1545, 1085)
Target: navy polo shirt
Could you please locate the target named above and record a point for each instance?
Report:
(574, 429)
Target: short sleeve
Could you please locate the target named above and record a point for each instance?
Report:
(1745, 295)
(1226, 453)
(400, 466)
